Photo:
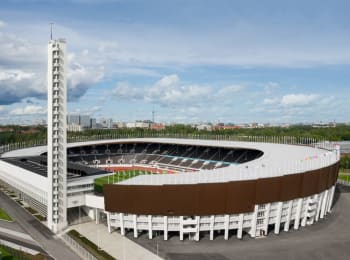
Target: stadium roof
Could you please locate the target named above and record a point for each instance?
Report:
(277, 160)
(38, 165)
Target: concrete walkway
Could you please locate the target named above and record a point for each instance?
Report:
(115, 244)
(41, 234)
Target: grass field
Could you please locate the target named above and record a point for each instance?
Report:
(4, 215)
(117, 177)
(344, 177)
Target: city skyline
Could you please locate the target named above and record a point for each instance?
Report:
(228, 61)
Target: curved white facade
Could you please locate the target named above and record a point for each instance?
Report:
(277, 160)
(282, 215)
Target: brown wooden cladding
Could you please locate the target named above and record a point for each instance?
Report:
(215, 198)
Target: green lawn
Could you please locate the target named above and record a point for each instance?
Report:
(4, 215)
(115, 178)
(344, 177)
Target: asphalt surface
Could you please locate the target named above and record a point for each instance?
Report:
(327, 239)
(41, 234)
(24, 243)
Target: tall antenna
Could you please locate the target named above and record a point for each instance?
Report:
(153, 113)
(51, 30)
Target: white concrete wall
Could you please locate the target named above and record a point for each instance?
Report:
(94, 201)
(32, 184)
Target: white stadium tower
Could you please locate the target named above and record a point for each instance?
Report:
(56, 135)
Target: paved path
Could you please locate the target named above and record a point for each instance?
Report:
(325, 240)
(41, 234)
(115, 244)
(24, 245)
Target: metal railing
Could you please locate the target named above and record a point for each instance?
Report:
(320, 143)
(344, 182)
(77, 248)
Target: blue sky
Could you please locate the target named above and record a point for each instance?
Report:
(190, 61)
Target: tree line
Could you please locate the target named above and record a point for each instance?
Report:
(14, 134)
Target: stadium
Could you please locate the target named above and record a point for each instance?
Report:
(184, 187)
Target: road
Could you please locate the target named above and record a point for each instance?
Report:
(327, 239)
(41, 234)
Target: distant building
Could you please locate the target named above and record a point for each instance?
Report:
(85, 121)
(74, 128)
(206, 127)
(324, 125)
(120, 125)
(73, 119)
(92, 123)
(106, 123)
(146, 124)
(157, 126)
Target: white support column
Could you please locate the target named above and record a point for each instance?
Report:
(135, 225)
(121, 224)
(181, 228)
(328, 200)
(311, 221)
(331, 199)
(226, 224)
(196, 238)
(319, 205)
(289, 211)
(267, 217)
(297, 214)
(324, 204)
(240, 226)
(306, 209)
(97, 216)
(278, 218)
(165, 227)
(253, 223)
(212, 219)
(109, 222)
(150, 233)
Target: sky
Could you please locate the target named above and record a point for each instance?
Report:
(189, 61)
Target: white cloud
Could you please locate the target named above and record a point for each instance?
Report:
(271, 101)
(298, 99)
(28, 110)
(2, 24)
(230, 90)
(80, 78)
(166, 91)
(17, 84)
(270, 87)
(124, 91)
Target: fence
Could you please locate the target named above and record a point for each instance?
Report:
(346, 183)
(77, 248)
(265, 139)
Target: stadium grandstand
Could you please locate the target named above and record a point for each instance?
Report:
(185, 186)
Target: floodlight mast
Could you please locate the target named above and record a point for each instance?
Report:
(51, 31)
